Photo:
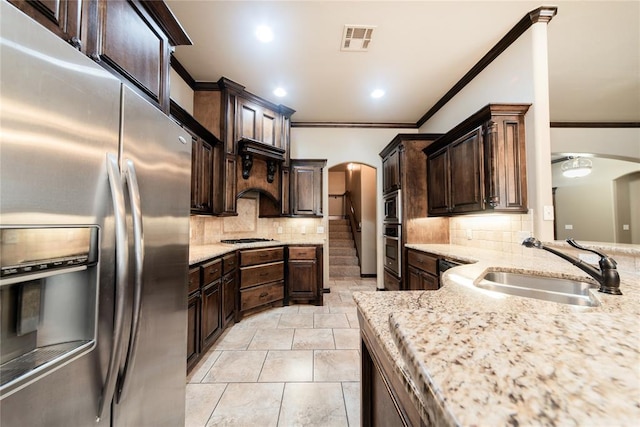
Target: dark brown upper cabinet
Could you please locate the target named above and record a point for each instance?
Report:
(133, 39)
(306, 187)
(203, 144)
(61, 17)
(255, 146)
(480, 165)
(391, 171)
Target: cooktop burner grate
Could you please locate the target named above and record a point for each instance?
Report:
(250, 240)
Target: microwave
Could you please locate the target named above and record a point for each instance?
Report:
(393, 208)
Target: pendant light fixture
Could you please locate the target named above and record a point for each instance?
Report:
(576, 167)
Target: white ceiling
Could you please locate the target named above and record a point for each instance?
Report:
(420, 49)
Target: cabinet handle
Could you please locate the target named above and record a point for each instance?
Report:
(264, 294)
(212, 272)
(264, 274)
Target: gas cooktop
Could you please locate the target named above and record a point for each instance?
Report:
(251, 240)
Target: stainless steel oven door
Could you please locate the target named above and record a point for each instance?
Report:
(393, 208)
(392, 249)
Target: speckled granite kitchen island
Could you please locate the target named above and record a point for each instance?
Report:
(473, 357)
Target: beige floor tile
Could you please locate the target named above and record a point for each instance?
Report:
(344, 307)
(353, 320)
(347, 339)
(236, 366)
(351, 393)
(313, 405)
(244, 405)
(288, 366)
(296, 320)
(201, 400)
(272, 339)
(336, 365)
(313, 339)
(235, 338)
(200, 370)
(333, 320)
(308, 308)
(268, 318)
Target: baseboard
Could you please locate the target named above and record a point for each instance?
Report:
(367, 276)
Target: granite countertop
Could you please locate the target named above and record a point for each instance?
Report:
(200, 253)
(475, 357)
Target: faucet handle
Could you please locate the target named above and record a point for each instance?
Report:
(577, 246)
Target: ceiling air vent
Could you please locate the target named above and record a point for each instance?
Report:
(356, 38)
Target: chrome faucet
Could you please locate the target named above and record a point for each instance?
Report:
(607, 276)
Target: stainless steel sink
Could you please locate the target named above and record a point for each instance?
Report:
(546, 288)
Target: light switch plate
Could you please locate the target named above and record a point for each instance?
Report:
(568, 226)
(320, 229)
(279, 230)
(625, 226)
(547, 215)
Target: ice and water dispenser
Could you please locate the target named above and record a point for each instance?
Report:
(48, 300)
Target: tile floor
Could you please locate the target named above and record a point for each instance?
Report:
(287, 366)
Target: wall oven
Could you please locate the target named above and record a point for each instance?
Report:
(392, 208)
(393, 248)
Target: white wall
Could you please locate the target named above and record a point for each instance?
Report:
(518, 75)
(344, 145)
(181, 92)
(368, 204)
(607, 142)
(336, 186)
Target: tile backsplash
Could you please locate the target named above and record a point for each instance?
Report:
(497, 232)
(208, 230)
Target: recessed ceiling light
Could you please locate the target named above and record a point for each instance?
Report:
(280, 92)
(264, 34)
(378, 93)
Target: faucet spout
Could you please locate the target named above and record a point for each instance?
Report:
(607, 275)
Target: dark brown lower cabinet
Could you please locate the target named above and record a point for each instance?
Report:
(193, 328)
(391, 282)
(261, 280)
(304, 274)
(422, 271)
(211, 313)
(384, 398)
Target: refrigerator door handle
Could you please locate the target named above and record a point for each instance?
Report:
(122, 264)
(138, 245)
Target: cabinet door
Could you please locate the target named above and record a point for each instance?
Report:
(414, 280)
(391, 172)
(391, 282)
(258, 123)
(193, 328)
(302, 279)
(306, 189)
(229, 290)
(438, 183)
(211, 313)
(201, 176)
(125, 39)
(61, 17)
(428, 282)
(505, 165)
(465, 168)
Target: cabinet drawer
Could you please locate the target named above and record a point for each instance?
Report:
(260, 295)
(261, 256)
(251, 276)
(230, 262)
(211, 272)
(194, 279)
(302, 252)
(423, 261)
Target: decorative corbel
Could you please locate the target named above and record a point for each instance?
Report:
(247, 163)
(271, 170)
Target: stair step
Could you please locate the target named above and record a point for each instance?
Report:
(340, 251)
(340, 235)
(344, 271)
(343, 243)
(343, 260)
(339, 227)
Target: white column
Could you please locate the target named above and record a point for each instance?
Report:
(539, 151)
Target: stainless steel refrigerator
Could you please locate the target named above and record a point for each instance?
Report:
(94, 234)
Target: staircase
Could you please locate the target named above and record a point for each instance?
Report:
(343, 261)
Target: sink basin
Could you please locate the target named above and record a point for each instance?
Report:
(552, 289)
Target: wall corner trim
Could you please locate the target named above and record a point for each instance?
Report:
(541, 14)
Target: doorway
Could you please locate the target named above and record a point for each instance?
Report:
(352, 221)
